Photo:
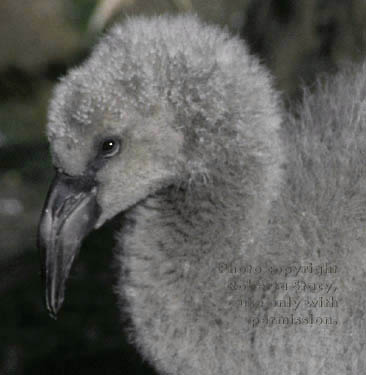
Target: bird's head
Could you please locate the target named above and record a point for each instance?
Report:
(108, 154)
(158, 101)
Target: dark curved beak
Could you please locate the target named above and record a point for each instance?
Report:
(69, 214)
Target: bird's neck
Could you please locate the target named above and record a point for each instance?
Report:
(177, 226)
(172, 245)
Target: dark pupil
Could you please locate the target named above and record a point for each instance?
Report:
(108, 146)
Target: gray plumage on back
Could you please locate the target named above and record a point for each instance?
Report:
(173, 123)
(320, 220)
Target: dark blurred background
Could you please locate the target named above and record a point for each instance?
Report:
(39, 41)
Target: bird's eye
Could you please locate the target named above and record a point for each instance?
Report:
(109, 147)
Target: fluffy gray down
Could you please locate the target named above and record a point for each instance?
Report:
(242, 245)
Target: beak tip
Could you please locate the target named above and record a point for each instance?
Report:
(52, 315)
(53, 311)
(54, 304)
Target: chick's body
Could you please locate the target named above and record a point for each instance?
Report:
(216, 197)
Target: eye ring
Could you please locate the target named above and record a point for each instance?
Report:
(109, 147)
